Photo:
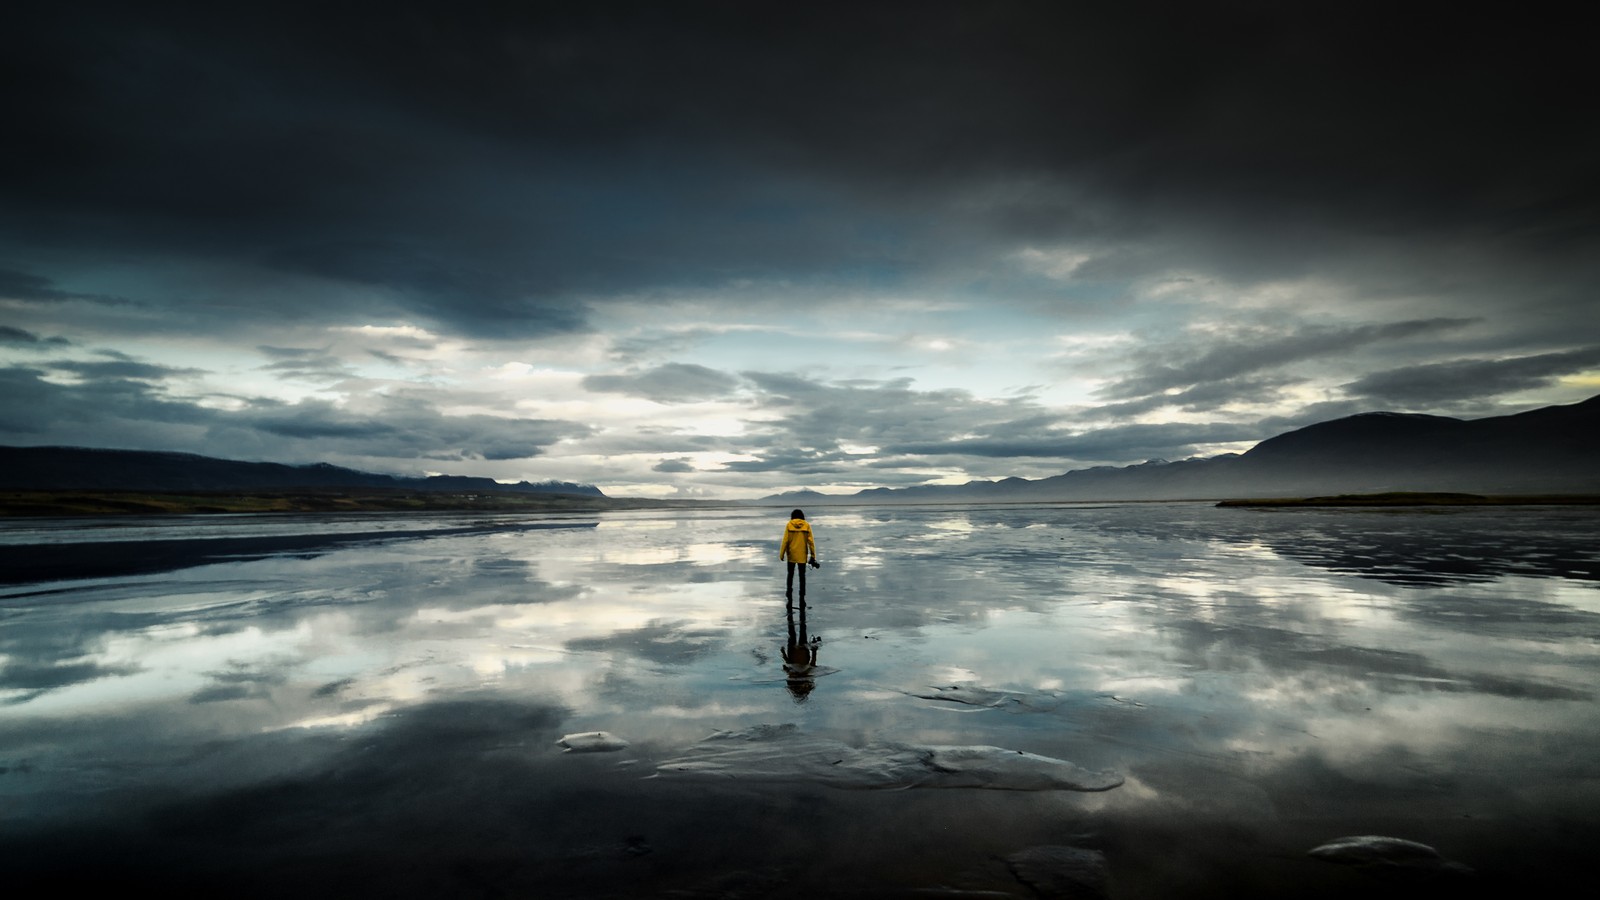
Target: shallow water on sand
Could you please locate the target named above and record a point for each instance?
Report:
(371, 705)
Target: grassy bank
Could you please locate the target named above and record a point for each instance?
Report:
(1407, 498)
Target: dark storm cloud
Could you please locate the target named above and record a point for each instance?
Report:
(403, 427)
(1202, 362)
(658, 441)
(1471, 378)
(120, 369)
(822, 416)
(15, 285)
(391, 358)
(88, 413)
(673, 466)
(506, 173)
(672, 343)
(670, 383)
(913, 430)
(305, 364)
(498, 171)
(319, 419)
(9, 335)
(479, 297)
(1206, 397)
(1172, 440)
(130, 412)
(794, 463)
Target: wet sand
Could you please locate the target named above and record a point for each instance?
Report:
(38, 563)
(384, 717)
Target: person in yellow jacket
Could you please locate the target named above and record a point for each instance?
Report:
(798, 549)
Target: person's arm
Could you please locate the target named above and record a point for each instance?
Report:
(811, 546)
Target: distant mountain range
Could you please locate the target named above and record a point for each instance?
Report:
(80, 468)
(1554, 450)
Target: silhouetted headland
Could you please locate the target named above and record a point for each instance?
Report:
(1407, 498)
(1548, 451)
(80, 481)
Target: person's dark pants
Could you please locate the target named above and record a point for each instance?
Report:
(802, 568)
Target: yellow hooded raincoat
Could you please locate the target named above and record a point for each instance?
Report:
(797, 543)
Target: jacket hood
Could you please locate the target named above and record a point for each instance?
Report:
(799, 525)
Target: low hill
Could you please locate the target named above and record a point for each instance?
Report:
(1545, 451)
(81, 468)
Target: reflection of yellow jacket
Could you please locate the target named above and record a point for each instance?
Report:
(797, 543)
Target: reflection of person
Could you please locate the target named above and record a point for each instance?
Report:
(800, 658)
(798, 549)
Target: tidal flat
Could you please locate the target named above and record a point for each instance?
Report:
(1125, 701)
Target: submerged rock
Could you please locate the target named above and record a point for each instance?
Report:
(592, 742)
(988, 698)
(1378, 851)
(781, 753)
(1062, 872)
(968, 695)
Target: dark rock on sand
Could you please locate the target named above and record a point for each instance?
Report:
(781, 753)
(1067, 873)
(1381, 852)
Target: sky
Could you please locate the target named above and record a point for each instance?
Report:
(723, 250)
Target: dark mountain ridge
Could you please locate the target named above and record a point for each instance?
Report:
(83, 468)
(1552, 450)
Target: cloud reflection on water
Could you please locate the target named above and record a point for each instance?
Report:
(1232, 665)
